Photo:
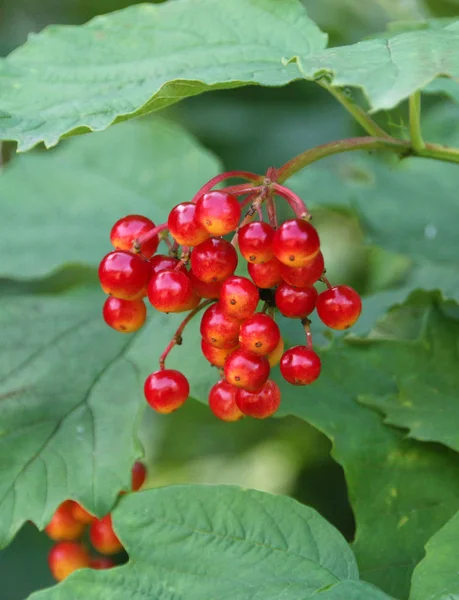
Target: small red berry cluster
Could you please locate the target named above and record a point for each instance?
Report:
(68, 526)
(283, 261)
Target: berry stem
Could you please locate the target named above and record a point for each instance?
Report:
(146, 237)
(173, 251)
(307, 329)
(240, 190)
(177, 338)
(228, 175)
(184, 259)
(272, 213)
(325, 280)
(298, 206)
(415, 122)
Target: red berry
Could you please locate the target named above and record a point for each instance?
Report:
(275, 356)
(101, 563)
(170, 291)
(184, 227)
(126, 316)
(81, 514)
(128, 229)
(222, 402)
(295, 303)
(304, 276)
(246, 370)
(259, 334)
(256, 242)
(265, 275)
(218, 212)
(66, 557)
(203, 289)
(218, 329)
(214, 260)
(239, 297)
(300, 365)
(216, 356)
(295, 243)
(138, 475)
(166, 390)
(124, 275)
(261, 404)
(63, 525)
(339, 307)
(161, 262)
(103, 538)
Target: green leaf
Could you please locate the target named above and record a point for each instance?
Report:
(60, 206)
(436, 577)
(70, 80)
(220, 542)
(401, 491)
(425, 369)
(70, 399)
(389, 70)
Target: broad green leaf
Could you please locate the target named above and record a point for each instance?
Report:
(437, 577)
(220, 542)
(70, 399)
(389, 70)
(60, 206)
(425, 370)
(401, 491)
(70, 80)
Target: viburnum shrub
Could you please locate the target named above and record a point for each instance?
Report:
(307, 295)
(237, 338)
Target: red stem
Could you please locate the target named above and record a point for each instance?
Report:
(239, 190)
(177, 338)
(325, 280)
(272, 213)
(307, 329)
(228, 175)
(146, 237)
(298, 206)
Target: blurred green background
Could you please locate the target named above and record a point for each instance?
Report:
(250, 128)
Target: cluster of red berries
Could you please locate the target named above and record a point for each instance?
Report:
(68, 526)
(284, 262)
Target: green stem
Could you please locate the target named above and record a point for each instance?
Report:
(359, 114)
(348, 145)
(415, 122)
(439, 152)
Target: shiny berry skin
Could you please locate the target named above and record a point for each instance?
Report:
(339, 307)
(239, 297)
(124, 275)
(261, 404)
(222, 402)
(259, 334)
(103, 538)
(295, 303)
(81, 514)
(304, 276)
(275, 355)
(161, 262)
(246, 370)
(184, 227)
(216, 356)
(66, 557)
(300, 365)
(295, 243)
(170, 291)
(265, 275)
(218, 329)
(166, 390)
(130, 228)
(218, 212)
(125, 316)
(101, 563)
(138, 476)
(214, 260)
(256, 242)
(63, 525)
(205, 290)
